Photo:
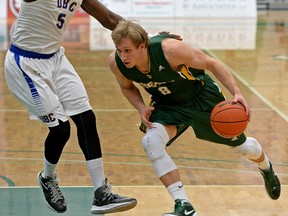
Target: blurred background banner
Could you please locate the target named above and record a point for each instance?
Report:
(3, 9)
(183, 8)
(204, 33)
(215, 8)
(3, 23)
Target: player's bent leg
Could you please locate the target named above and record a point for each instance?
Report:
(253, 151)
(54, 144)
(104, 200)
(154, 143)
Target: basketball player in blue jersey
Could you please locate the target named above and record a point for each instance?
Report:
(40, 76)
(182, 95)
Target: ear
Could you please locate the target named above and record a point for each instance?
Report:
(143, 45)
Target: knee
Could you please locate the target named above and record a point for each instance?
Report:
(251, 148)
(62, 131)
(56, 140)
(154, 141)
(85, 119)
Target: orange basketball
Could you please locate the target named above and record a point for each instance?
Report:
(228, 119)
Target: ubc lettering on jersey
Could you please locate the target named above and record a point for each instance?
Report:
(65, 4)
(47, 118)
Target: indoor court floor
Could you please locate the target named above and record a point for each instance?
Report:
(218, 181)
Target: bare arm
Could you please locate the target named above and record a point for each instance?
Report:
(131, 92)
(107, 18)
(177, 53)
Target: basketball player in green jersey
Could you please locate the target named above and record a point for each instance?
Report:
(182, 95)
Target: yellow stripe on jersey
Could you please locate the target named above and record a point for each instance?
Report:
(184, 70)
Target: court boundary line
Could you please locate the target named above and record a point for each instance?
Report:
(148, 164)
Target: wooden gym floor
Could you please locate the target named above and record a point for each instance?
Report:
(218, 181)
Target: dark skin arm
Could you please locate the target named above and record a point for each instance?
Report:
(107, 18)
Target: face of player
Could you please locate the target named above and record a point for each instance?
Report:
(130, 54)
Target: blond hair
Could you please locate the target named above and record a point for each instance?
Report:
(131, 29)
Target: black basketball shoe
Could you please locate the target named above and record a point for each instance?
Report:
(272, 183)
(182, 208)
(107, 202)
(53, 196)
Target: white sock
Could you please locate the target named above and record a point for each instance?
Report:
(49, 168)
(265, 164)
(95, 168)
(177, 191)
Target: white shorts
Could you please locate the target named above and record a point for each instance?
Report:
(47, 85)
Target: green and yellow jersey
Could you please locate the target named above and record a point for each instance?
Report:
(164, 84)
(183, 98)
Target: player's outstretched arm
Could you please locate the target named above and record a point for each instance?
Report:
(178, 52)
(107, 18)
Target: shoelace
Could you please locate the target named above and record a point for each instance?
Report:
(107, 193)
(54, 190)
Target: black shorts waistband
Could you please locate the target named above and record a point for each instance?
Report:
(29, 54)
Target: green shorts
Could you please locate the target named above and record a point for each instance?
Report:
(195, 113)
